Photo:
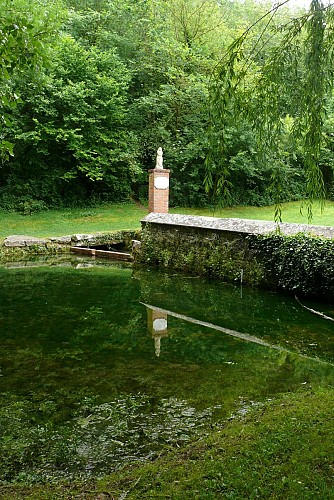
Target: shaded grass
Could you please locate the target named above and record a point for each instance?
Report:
(123, 216)
(281, 449)
(71, 221)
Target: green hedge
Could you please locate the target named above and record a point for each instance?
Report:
(300, 263)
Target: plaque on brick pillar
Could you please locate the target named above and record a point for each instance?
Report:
(158, 197)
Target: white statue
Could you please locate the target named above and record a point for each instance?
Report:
(159, 163)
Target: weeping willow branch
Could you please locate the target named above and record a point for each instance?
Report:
(293, 78)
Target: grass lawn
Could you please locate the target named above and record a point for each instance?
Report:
(127, 216)
(71, 221)
(283, 449)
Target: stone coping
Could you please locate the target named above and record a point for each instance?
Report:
(20, 241)
(244, 226)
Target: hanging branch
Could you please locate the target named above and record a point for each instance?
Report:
(295, 80)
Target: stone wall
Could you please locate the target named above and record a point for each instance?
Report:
(294, 257)
(235, 227)
(17, 246)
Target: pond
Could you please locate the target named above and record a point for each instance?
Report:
(101, 365)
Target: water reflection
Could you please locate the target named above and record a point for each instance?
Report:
(157, 326)
(265, 318)
(100, 365)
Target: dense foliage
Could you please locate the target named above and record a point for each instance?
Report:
(280, 79)
(301, 264)
(90, 89)
(26, 30)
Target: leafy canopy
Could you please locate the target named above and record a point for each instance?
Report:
(25, 26)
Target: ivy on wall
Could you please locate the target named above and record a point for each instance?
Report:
(301, 263)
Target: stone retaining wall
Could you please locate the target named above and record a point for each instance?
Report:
(298, 258)
(21, 245)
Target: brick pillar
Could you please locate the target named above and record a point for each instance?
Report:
(158, 191)
(158, 188)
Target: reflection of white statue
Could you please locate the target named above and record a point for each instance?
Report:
(157, 346)
(159, 163)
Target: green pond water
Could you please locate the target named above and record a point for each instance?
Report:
(101, 365)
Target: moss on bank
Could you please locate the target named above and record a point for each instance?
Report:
(206, 253)
(280, 449)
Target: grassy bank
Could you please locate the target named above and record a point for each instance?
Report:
(127, 216)
(106, 218)
(281, 449)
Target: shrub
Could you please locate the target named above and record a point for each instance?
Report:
(300, 263)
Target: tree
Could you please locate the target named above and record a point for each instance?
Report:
(170, 90)
(70, 130)
(26, 26)
(128, 76)
(286, 72)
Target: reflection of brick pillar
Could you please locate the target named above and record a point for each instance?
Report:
(158, 195)
(157, 326)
